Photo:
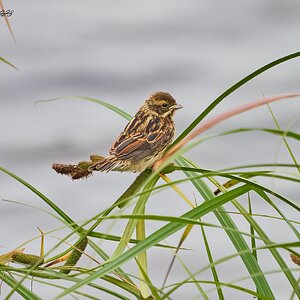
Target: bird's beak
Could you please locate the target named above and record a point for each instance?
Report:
(177, 106)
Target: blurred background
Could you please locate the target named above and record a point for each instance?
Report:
(121, 52)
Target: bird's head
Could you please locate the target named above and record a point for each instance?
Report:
(162, 104)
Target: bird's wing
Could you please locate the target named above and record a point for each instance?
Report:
(141, 144)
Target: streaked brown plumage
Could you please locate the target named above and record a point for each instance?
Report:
(145, 138)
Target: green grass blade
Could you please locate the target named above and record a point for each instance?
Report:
(114, 108)
(49, 274)
(288, 222)
(197, 283)
(232, 89)
(289, 134)
(186, 222)
(105, 257)
(176, 286)
(95, 100)
(213, 268)
(284, 139)
(208, 173)
(232, 286)
(159, 235)
(237, 240)
(20, 289)
(269, 243)
(63, 215)
(110, 237)
(8, 63)
(95, 286)
(273, 165)
(253, 240)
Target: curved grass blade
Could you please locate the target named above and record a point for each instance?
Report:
(289, 134)
(226, 259)
(264, 216)
(159, 235)
(288, 222)
(232, 182)
(232, 286)
(232, 89)
(265, 189)
(207, 173)
(186, 222)
(237, 239)
(268, 242)
(110, 237)
(119, 271)
(20, 289)
(50, 274)
(63, 215)
(95, 100)
(274, 165)
(86, 296)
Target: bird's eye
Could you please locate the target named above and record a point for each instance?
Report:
(164, 105)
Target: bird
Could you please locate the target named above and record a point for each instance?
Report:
(145, 138)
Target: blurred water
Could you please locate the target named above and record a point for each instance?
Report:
(121, 52)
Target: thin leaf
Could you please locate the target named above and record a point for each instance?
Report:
(8, 63)
(284, 140)
(289, 134)
(288, 222)
(269, 243)
(237, 240)
(176, 189)
(95, 100)
(233, 286)
(181, 241)
(19, 288)
(213, 268)
(253, 240)
(158, 236)
(233, 88)
(226, 259)
(63, 215)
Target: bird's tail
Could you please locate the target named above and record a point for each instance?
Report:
(107, 164)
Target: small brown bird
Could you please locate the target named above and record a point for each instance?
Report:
(144, 139)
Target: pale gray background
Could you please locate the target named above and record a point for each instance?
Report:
(121, 52)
